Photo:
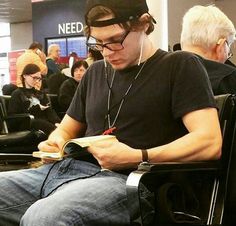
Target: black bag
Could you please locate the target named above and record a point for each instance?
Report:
(177, 204)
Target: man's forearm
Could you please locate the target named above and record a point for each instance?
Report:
(191, 147)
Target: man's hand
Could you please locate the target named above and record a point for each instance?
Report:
(114, 155)
(51, 145)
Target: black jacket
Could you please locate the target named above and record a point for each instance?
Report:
(21, 101)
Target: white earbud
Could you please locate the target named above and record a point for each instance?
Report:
(141, 49)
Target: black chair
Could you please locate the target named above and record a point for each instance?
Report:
(7, 89)
(193, 193)
(17, 146)
(55, 104)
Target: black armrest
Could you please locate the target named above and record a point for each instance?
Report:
(179, 166)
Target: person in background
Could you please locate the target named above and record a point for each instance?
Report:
(209, 33)
(69, 86)
(73, 58)
(52, 57)
(27, 99)
(159, 105)
(53, 70)
(93, 55)
(33, 55)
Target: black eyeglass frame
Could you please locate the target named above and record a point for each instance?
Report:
(113, 46)
(37, 79)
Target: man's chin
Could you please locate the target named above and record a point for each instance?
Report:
(118, 66)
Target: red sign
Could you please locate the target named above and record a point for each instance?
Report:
(12, 57)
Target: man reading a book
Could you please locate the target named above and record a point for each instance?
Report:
(159, 106)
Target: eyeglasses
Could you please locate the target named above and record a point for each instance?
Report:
(37, 79)
(113, 46)
(230, 54)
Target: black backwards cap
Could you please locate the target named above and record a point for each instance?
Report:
(124, 10)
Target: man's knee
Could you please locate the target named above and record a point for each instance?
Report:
(42, 214)
(39, 214)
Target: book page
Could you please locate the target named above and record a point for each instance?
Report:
(48, 155)
(74, 147)
(87, 141)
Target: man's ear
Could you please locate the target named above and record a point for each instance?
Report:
(220, 50)
(144, 18)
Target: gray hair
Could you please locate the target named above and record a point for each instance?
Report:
(51, 47)
(204, 26)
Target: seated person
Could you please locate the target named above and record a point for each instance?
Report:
(159, 106)
(27, 99)
(211, 45)
(53, 83)
(68, 87)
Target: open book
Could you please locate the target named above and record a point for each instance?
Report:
(75, 148)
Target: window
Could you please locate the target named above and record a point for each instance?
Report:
(70, 44)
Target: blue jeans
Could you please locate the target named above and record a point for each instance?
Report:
(68, 193)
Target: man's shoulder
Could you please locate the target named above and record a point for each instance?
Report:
(171, 57)
(180, 54)
(50, 61)
(217, 68)
(27, 55)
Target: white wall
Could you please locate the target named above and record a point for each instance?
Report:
(159, 10)
(21, 35)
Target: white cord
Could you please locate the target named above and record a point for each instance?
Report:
(141, 50)
(105, 63)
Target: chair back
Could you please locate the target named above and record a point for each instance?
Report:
(3, 113)
(227, 194)
(227, 115)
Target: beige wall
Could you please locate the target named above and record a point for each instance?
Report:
(21, 35)
(176, 11)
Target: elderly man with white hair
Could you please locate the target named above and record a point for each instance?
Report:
(209, 33)
(53, 55)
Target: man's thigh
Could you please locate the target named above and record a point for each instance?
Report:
(99, 200)
(19, 189)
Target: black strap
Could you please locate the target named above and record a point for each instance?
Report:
(144, 155)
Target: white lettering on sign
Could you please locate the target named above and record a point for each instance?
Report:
(70, 28)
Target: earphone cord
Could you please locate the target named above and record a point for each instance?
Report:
(121, 101)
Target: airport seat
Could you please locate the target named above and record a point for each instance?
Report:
(189, 193)
(55, 104)
(17, 146)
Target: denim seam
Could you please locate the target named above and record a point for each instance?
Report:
(14, 206)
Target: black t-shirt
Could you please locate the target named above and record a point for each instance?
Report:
(169, 86)
(222, 76)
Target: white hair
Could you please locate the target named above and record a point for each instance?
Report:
(52, 47)
(204, 26)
